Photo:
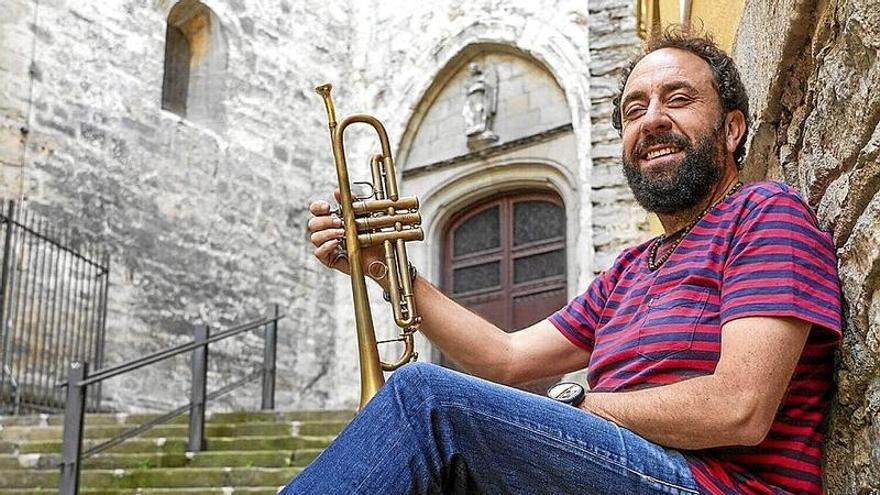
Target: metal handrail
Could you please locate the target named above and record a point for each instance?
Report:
(137, 430)
(134, 364)
(79, 379)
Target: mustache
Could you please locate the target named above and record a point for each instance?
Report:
(666, 138)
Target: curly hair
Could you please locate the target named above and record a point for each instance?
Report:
(725, 76)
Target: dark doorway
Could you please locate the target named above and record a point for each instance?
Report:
(504, 259)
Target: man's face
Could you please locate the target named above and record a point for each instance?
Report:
(673, 131)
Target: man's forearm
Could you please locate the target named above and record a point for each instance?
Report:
(697, 413)
(474, 343)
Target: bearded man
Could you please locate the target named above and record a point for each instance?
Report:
(709, 348)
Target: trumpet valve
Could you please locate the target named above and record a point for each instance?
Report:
(372, 238)
(371, 223)
(382, 205)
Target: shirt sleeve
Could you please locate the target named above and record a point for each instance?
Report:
(579, 319)
(781, 264)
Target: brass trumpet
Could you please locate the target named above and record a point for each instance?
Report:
(383, 218)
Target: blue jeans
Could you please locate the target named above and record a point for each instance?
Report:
(433, 430)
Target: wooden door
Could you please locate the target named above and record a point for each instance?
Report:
(505, 260)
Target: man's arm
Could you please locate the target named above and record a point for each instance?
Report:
(485, 350)
(477, 345)
(733, 406)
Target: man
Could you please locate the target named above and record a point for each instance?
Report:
(709, 348)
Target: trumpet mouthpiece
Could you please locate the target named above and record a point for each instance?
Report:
(324, 89)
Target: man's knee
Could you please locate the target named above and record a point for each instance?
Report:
(415, 374)
(424, 380)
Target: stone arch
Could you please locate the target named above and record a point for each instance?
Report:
(442, 202)
(561, 57)
(549, 47)
(196, 59)
(221, 9)
(454, 70)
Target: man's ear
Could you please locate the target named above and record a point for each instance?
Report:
(734, 129)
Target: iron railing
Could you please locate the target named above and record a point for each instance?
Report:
(79, 380)
(53, 309)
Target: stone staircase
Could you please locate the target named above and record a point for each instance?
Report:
(246, 452)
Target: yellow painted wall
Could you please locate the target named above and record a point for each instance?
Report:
(719, 17)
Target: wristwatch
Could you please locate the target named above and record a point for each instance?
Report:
(568, 393)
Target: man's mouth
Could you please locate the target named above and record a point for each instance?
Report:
(661, 151)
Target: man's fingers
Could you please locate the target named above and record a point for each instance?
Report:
(317, 224)
(326, 231)
(324, 251)
(330, 255)
(319, 208)
(322, 236)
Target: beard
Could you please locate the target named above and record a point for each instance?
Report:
(678, 186)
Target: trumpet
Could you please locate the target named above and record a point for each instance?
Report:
(380, 218)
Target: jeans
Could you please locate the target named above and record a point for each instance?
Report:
(433, 430)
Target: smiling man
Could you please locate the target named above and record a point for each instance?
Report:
(709, 348)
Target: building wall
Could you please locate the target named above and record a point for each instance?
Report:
(813, 72)
(202, 224)
(209, 224)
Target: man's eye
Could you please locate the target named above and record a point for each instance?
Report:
(633, 112)
(679, 100)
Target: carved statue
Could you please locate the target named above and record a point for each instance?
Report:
(480, 105)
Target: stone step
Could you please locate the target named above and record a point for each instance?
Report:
(249, 490)
(309, 428)
(153, 478)
(178, 444)
(212, 417)
(296, 458)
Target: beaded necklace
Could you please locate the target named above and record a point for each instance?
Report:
(653, 262)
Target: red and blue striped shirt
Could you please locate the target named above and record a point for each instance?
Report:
(759, 252)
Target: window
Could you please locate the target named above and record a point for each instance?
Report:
(195, 64)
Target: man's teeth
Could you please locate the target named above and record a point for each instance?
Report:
(661, 152)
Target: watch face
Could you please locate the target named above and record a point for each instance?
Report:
(564, 392)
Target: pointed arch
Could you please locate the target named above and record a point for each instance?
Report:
(561, 58)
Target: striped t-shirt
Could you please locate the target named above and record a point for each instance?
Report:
(759, 252)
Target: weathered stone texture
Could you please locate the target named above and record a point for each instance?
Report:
(613, 41)
(528, 101)
(202, 224)
(817, 109)
(560, 36)
(208, 224)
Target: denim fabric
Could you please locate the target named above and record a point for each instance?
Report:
(433, 430)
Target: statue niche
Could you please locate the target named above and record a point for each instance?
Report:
(481, 103)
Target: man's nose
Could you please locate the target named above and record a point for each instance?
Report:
(655, 119)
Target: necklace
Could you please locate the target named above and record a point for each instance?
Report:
(653, 261)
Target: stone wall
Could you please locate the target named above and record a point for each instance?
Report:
(202, 224)
(618, 221)
(559, 35)
(528, 101)
(813, 72)
(582, 44)
(208, 224)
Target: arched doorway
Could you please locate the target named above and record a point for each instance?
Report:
(504, 259)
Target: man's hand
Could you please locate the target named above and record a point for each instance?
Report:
(327, 235)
